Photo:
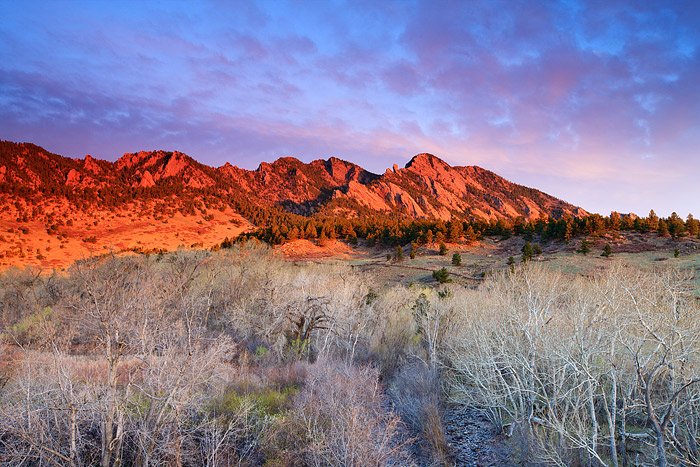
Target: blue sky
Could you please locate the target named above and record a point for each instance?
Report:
(597, 103)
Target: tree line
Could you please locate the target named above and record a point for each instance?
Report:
(277, 227)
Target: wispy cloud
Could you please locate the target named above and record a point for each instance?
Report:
(558, 95)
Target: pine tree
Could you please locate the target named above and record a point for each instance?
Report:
(293, 234)
(414, 248)
(399, 253)
(585, 247)
(322, 239)
(607, 251)
(455, 230)
(676, 226)
(310, 232)
(652, 222)
(662, 229)
(528, 252)
(371, 240)
(614, 221)
(442, 275)
(470, 235)
(456, 259)
(627, 223)
(443, 249)
(692, 225)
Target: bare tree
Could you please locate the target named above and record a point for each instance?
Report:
(111, 294)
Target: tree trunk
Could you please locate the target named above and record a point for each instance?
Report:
(73, 428)
(108, 421)
(108, 439)
(612, 421)
(623, 437)
(661, 449)
(594, 436)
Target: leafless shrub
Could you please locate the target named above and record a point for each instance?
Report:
(344, 420)
(312, 310)
(394, 337)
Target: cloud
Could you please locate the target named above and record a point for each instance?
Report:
(579, 92)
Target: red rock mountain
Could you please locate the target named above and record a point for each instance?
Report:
(426, 187)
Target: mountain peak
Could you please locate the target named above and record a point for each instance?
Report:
(132, 159)
(91, 164)
(287, 160)
(425, 159)
(430, 166)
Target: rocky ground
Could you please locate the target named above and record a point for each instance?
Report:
(474, 440)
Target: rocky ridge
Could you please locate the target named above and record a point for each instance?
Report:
(426, 188)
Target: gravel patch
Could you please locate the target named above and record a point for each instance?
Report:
(474, 440)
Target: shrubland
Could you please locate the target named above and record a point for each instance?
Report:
(600, 370)
(242, 358)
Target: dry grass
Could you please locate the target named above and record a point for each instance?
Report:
(416, 393)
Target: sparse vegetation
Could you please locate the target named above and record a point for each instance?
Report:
(142, 358)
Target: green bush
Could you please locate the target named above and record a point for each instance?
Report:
(264, 401)
(399, 253)
(35, 326)
(442, 276)
(585, 247)
(607, 251)
(528, 252)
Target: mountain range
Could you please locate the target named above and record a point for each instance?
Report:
(426, 188)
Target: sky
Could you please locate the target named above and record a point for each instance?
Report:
(594, 102)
